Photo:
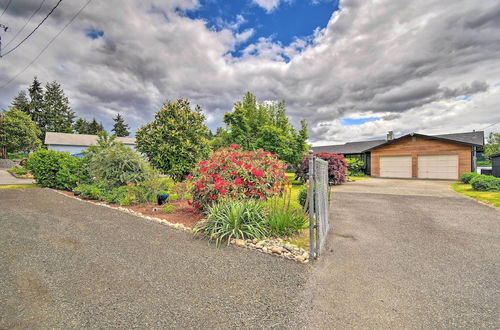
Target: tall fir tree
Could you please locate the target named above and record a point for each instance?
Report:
(21, 102)
(36, 104)
(81, 126)
(120, 128)
(58, 113)
(95, 127)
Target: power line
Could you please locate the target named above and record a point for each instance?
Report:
(490, 125)
(29, 35)
(48, 44)
(29, 19)
(5, 9)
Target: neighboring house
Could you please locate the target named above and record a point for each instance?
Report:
(416, 155)
(495, 165)
(76, 143)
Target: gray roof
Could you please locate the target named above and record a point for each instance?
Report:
(349, 147)
(475, 138)
(68, 139)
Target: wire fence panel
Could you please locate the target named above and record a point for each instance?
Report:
(318, 205)
(321, 203)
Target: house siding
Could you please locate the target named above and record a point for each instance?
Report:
(74, 149)
(422, 146)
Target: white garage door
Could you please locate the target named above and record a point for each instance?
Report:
(395, 166)
(438, 167)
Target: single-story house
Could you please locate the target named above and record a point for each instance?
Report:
(76, 143)
(415, 155)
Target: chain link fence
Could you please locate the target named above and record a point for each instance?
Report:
(318, 205)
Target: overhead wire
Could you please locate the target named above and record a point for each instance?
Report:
(48, 44)
(25, 24)
(5, 9)
(31, 33)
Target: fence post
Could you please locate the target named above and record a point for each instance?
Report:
(311, 205)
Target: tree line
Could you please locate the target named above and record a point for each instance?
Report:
(49, 108)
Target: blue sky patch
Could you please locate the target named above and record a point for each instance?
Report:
(292, 19)
(93, 33)
(358, 121)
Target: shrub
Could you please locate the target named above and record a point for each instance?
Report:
(284, 218)
(233, 219)
(117, 195)
(467, 177)
(485, 183)
(173, 197)
(90, 191)
(169, 208)
(355, 166)
(234, 174)
(302, 197)
(337, 167)
(54, 169)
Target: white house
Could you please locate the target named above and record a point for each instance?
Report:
(76, 143)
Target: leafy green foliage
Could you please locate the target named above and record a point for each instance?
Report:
(467, 177)
(485, 183)
(233, 173)
(54, 169)
(492, 145)
(175, 140)
(90, 191)
(57, 113)
(169, 208)
(17, 133)
(284, 218)
(21, 103)
(120, 128)
(355, 166)
(302, 197)
(264, 126)
(233, 219)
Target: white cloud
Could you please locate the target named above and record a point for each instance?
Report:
(268, 5)
(406, 62)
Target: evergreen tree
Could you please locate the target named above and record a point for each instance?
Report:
(81, 126)
(36, 104)
(120, 128)
(94, 127)
(21, 103)
(58, 114)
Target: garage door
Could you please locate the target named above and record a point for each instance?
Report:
(438, 167)
(395, 166)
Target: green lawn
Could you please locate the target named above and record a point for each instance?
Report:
(291, 179)
(358, 178)
(489, 197)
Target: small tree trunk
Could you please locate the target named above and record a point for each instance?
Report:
(3, 152)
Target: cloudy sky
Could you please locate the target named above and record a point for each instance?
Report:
(353, 68)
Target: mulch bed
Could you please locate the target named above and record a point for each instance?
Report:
(183, 213)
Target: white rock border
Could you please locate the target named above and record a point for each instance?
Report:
(275, 247)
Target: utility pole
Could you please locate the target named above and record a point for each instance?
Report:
(4, 28)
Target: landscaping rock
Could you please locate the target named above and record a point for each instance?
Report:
(239, 242)
(277, 249)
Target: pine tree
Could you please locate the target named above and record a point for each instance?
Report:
(57, 112)
(36, 104)
(120, 128)
(81, 126)
(95, 127)
(21, 103)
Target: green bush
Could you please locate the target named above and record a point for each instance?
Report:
(284, 218)
(233, 219)
(302, 197)
(355, 166)
(54, 169)
(485, 183)
(466, 177)
(173, 197)
(90, 191)
(169, 208)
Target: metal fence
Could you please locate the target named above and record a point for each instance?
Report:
(318, 205)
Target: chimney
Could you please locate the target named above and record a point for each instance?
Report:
(390, 135)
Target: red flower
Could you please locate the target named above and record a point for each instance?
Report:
(238, 181)
(189, 202)
(258, 173)
(223, 191)
(190, 177)
(247, 166)
(212, 197)
(234, 146)
(197, 205)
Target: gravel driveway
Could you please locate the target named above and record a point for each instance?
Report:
(70, 264)
(407, 254)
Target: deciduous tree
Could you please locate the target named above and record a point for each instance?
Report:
(18, 133)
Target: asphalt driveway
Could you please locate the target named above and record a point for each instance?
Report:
(70, 264)
(407, 254)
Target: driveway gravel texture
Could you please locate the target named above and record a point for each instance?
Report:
(65, 263)
(406, 254)
(402, 254)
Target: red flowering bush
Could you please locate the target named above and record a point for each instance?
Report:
(337, 167)
(236, 174)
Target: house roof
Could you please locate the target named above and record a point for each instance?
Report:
(349, 147)
(472, 138)
(69, 139)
